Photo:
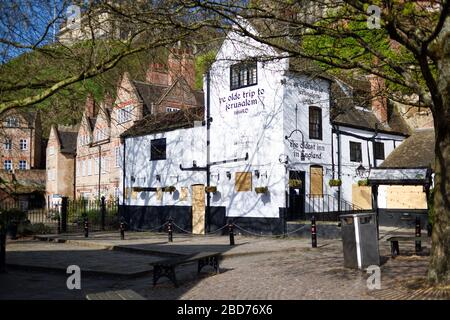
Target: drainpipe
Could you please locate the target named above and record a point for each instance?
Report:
(123, 173)
(338, 134)
(208, 152)
(74, 176)
(99, 169)
(31, 148)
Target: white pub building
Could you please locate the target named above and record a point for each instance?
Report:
(283, 144)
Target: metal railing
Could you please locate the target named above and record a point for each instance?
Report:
(65, 216)
(328, 207)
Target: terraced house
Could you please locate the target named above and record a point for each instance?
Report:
(21, 156)
(168, 87)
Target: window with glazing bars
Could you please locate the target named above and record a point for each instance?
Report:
(355, 151)
(243, 75)
(315, 123)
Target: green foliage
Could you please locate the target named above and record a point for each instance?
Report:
(261, 189)
(334, 182)
(202, 63)
(364, 182)
(13, 215)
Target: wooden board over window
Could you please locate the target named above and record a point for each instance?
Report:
(362, 196)
(406, 197)
(243, 181)
(316, 180)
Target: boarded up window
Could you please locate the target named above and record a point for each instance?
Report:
(316, 180)
(362, 196)
(243, 181)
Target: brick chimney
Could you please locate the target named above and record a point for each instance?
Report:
(379, 101)
(181, 64)
(90, 106)
(157, 74)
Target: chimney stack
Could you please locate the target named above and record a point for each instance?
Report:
(157, 74)
(181, 64)
(90, 106)
(379, 101)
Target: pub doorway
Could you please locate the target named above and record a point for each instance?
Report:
(296, 198)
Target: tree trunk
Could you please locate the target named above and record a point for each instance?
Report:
(439, 268)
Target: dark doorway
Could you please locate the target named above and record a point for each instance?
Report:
(296, 209)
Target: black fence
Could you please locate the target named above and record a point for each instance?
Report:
(64, 216)
(328, 207)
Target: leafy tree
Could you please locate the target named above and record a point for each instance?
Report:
(407, 47)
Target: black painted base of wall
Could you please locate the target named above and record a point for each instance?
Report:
(151, 217)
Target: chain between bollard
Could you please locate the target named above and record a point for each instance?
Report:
(170, 230)
(313, 232)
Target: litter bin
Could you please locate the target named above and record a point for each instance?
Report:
(360, 240)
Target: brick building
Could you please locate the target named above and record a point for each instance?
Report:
(168, 87)
(60, 164)
(21, 156)
(22, 144)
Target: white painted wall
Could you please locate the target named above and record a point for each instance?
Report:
(256, 129)
(182, 147)
(348, 168)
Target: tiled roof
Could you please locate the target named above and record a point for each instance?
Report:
(354, 109)
(416, 151)
(168, 121)
(68, 138)
(149, 93)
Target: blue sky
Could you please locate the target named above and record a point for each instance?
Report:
(26, 22)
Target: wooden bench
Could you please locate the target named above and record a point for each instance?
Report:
(166, 268)
(395, 248)
(115, 295)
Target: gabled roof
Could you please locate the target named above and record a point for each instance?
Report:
(68, 138)
(416, 151)
(29, 116)
(354, 109)
(149, 93)
(163, 122)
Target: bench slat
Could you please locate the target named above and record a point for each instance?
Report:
(185, 259)
(404, 238)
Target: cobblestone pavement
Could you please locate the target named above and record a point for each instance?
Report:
(305, 273)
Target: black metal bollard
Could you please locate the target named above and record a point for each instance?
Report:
(122, 230)
(170, 231)
(102, 212)
(59, 224)
(2, 249)
(86, 227)
(429, 229)
(313, 232)
(418, 234)
(231, 233)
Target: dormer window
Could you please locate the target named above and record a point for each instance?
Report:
(11, 122)
(243, 74)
